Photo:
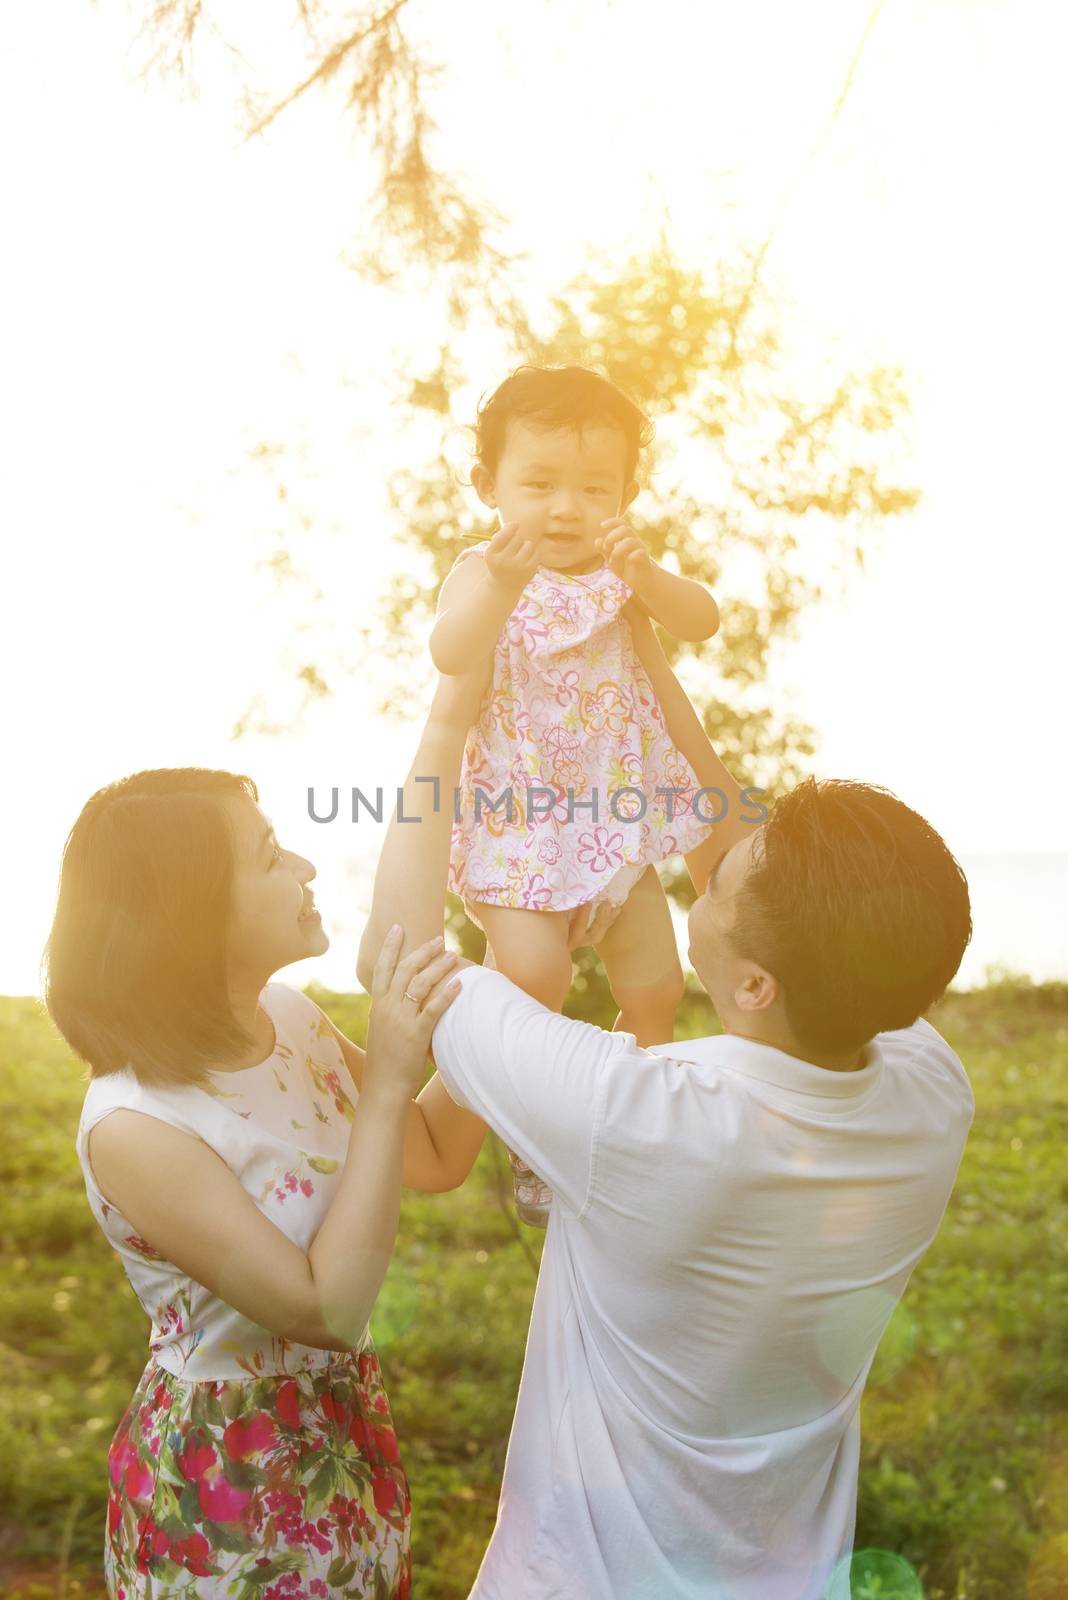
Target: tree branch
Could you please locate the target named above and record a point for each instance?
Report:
(327, 66)
(758, 260)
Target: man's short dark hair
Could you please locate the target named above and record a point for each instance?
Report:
(857, 906)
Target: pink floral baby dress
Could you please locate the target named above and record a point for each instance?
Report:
(247, 1466)
(558, 803)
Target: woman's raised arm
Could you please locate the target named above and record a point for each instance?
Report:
(182, 1198)
(414, 864)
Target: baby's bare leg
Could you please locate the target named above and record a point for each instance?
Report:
(641, 959)
(530, 947)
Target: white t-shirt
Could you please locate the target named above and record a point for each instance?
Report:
(730, 1231)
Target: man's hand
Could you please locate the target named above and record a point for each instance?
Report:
(588, 924)
(512, 558)
(625, 553)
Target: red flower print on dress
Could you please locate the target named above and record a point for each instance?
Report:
(287, 1405)
(361, 1436)
(386, 1441)
(194, 1553)
(197, 1459)
(138, 1482)
(248, 1436)
(146, 1542)
(221, 1501)
(161, 1398)
(221, 1473)
(127, 1475)
(549, 852)
(142, 1247)
(385, 1493)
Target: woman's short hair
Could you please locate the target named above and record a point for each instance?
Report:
(135, 968)
(560, 397)
(856, 905)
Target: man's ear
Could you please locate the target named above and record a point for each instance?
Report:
(630, 494)
(757, 991)
(482, 483)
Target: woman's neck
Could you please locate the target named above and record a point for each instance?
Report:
(250, 1015)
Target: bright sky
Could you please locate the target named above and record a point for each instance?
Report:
(171, 298)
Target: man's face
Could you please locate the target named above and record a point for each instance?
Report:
(711, 919)
(559, 484)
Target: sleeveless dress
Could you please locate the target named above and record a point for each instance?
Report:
(557, 802)
(246, 1465)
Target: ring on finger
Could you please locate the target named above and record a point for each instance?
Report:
(408, 995)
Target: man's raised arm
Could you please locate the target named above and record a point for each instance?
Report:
(414, 864)
(738, 814)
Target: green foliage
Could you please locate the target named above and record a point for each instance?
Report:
(782, 488)
(964, 1477)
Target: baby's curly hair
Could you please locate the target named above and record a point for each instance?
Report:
(559, 397)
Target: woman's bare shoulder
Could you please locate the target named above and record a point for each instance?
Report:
(129, 1148)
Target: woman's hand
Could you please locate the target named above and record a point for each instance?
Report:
(407, 997)
(511, 558)
(625, 553)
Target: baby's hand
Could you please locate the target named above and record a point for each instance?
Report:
(511, 558)
(624, 553)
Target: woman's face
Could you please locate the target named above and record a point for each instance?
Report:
(273, 921)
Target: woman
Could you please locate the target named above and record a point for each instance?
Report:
(244, 1159)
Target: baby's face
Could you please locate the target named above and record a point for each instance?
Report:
(560, 484)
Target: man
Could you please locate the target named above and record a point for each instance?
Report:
(734, 1217)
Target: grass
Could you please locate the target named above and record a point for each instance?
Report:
(964, 1477)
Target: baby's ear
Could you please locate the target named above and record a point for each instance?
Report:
(630, 494)
(482, 483)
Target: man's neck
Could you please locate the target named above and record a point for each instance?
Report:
(853, 1061)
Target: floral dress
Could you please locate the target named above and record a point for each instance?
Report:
(246, 1465)
(558, 802)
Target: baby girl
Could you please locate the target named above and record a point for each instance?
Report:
(572, 787)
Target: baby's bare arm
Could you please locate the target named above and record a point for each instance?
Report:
(477, 599)
(472, 610)
(681, 605)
